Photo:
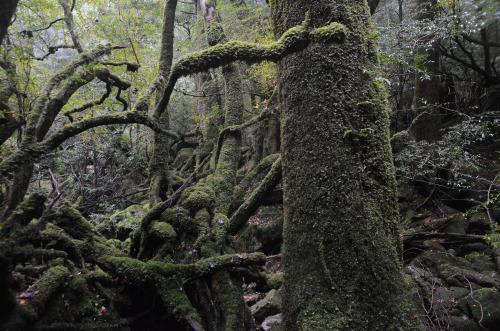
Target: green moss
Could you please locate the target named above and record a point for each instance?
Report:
(177, 302)
(313, 317)
(162, 231)
(209, 249)
(230, 297)
(334, 32)
(31, 207)
(174, 216)
(53, 237)
(73, 223)
(274, 280)
(247, 240)
(51, 282)
(400, 140)
(58, 261)
(198, 197)
(98, 275)
(78, 285)
(254, 175)
(220, 223)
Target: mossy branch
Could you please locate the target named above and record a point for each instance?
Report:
(117, 118)
(29, 152)
(66, 72)
(135, 269)
(236, 128)
(89, 104)
(240, 217)
(158, 209)
(292, 41)
(107, 76)
(132, 67)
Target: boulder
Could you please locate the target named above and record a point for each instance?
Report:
(268, 306)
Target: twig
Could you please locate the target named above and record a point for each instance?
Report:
(129, 194)
(479, 303)
(56, 188)
(488, 200)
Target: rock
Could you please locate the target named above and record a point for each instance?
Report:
(268, 306)
(122, 223)
(463, 323)
(478, 224)
(484, 305)
(197, 198)
(481, 262)
(485, 279)
(456, 225)
(445, 300)
(272, 322)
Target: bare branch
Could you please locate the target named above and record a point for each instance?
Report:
(29, 33)
(68, 19)
(89, 104)
(56, 188)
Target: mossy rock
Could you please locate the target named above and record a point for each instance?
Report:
(481, 262)
(72, 222)
(400, 140)
(183, 155)
(180, 220)
(444, 299)
(197, 198)
(174, 216)
(247, 240)
(123, 246)
(478, 224)
(122, 223)
(270, 305)
(270, 235)
(456, 225)
(274, 280)
(161, 233)
(463, 323)
(485, 305)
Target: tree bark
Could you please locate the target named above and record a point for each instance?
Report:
(342, 250)
(426, 94)
(7, 10)
(158, 166)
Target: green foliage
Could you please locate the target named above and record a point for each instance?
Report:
(493, 238)
(454, 162)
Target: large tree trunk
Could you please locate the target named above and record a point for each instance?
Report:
(426, 95)
(158, 166)
(341, 250)
(7, 10)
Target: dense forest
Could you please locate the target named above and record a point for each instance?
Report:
(250, 165)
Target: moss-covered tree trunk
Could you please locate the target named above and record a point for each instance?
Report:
(341, 251)
(158, 166)
(228, 295)
(426, 94)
